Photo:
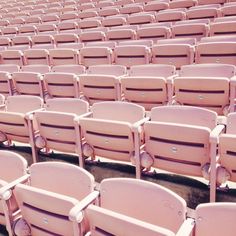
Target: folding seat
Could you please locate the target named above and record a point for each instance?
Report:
(9, 31)
(141, 18)
(42, 69)
(137, 56)
(36, 56)
(21, 42)
(13, 120)
(116, 70)
(223, 28)
(49, 197)
(109, 11)
(114, 21)
(203, 13)
(68, 16)
(225, 168)
(190, 41)
(50, 18)
(228, 10)
(28, 83)
(17, 21)
(91, 36)
(170, 16)
(145, 42)
(38, 12)
(173, 54)
(205, 2)
(211, 86)
(211, 216)
(6, 70)
(75, 69)
(5, 42)
(225, 19)
(28, 30)
(13, 169)
(65, 38)
(42, 42)
(86, 6)
(61, 84)
(89, 23)
(49, 29)
(182, 4)
(109, 44)
(4, 22)
(95, 56)
(226, 38)
(131, 9)
(175, 131)
(122, 3)
(62, 56)
(68, 27)
(104, 4)
(110, 134)
(49, 14)
(12, 57)
(194, 30)
(133, 212)
(33, 20)
(121, 34)
(148, 85)
(216, 52)
(154, 33)
(87, 14)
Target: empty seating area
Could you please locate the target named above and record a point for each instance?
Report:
(147, 83)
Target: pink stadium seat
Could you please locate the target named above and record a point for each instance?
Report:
(21, 41)
(109, 11)
(28, 83)
(228, 10)
(28, 30)
(33, 20)
(87, 14)
(206, 85)
(5, 42)
(143, 42)
(213, 39)
(148, 85)
(10, 31)
(13, 169)
(65, 38)
(155, 6)
(132, 212)
(175, 131)
(216, 52)
(138, 56)
(49, 196)
(223, 28)
(110, 134)
(12, 57)
(131, 9)
(42, 42)
(195, 30)
(203, 13)
(141, 18)
(61, 84)
(17, 21)
(116, 70)
(36, 56)
(121, 34)
(182, 3)
(42, 69)
(154, 33)
(48, 29)
(75, 69)
(211, 216)
(205, 2)
(68, 16)
(50, 18)
(114, 21)
(109, 44)
(86, 6)
(170, 16)
(89, 23)
(104, 4)
(13, 119)
(95, 56)
(62, 56)
(173, 54)
(122, 3)
(92, 36)
(67, 26)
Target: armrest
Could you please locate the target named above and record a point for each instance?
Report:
(5, 190)
(139, 123)
(186, 228)
(75, 212)
(233, 81)
(214, 135)
(29, 115)
(88, 114)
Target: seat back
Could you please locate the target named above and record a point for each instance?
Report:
(115, 70)
(63, 56)
(141, 200)
(211, 216)
(36, 56)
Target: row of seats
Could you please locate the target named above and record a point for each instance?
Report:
(123, 132)
(154, 32)
(179, 10)
(172, 54)
(205, 85)
(59, 199)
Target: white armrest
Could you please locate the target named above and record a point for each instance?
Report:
(214, 135)
(75, 212)
(186, 228)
